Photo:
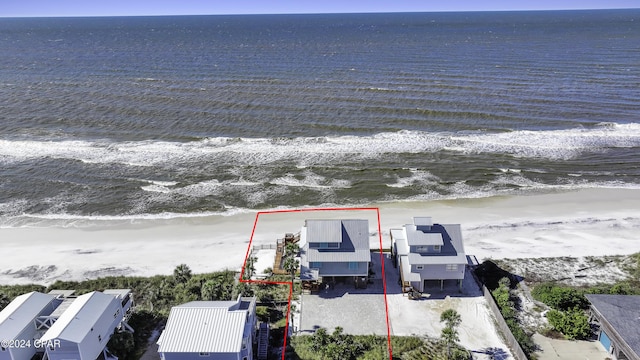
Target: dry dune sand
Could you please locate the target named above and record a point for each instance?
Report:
(589, 222)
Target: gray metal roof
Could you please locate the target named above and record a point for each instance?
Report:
(402, 248)
(204, 326)
(118, 293)
(421, 236)
(354, 241)
(325, 230)
(80, 317)
(21, 312)
(423, 221)
(451, 251)
(623, 313)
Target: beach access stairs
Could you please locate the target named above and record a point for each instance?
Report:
(263, 341)
(278, 263)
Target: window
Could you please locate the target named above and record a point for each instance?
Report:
(422, 248)
(315, 264)
(325, 245)
(436, 248)
(353, 265)
(452, 267)
(204, 354)
(419, 267)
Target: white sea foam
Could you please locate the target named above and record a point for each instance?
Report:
(310, 180)
(552, 144)
(417, 177)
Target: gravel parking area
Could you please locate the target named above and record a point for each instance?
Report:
(357, 311)
(363, 312)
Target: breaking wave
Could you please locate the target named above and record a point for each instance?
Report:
(551, 144)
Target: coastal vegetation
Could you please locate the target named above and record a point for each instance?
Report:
(506, 301)
(561, 285)
(323, 345)
(154, 296)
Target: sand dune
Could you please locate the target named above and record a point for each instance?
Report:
(589, 222)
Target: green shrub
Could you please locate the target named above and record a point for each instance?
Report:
(559, 297)
(573, 323)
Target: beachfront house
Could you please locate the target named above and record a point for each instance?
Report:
(221, 330)
(18, 325)
(85, 325)
(335, 250)
(428, 254)
(618, 320)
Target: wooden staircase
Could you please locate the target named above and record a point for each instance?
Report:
(263, 341)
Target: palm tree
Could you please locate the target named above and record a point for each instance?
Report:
(451, 318)
(290, 263)
(182, 273)
(450, 334)
(450, 337)
(210, 290)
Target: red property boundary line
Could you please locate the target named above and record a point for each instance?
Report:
(290, 284)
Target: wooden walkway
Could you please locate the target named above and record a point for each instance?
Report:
(278, 262)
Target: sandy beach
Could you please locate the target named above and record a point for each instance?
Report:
(588, 222)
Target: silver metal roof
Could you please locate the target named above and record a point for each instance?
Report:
(325, 231)
(21, 312)
(207, 326)
(80, 317)
(417, 236)
(61, 293)
(423, 221)
(354, 241)
(452, 246)
(118, 293)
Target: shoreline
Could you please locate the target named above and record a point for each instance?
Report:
(585, 222)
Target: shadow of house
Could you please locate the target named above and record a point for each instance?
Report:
(489, 274)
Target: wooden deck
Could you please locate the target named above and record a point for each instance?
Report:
(278, 263)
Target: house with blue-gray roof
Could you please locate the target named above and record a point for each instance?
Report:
(335, 250)
(618, 321)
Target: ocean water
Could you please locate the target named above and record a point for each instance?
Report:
(155, 117)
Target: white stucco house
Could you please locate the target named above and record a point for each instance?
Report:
(428, 254)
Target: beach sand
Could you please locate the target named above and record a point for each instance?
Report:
(588, 222)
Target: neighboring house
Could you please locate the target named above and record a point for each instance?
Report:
(618, 317)
(425, 252)
(86, 324)
(335, 248)
(18, 324)
(220, 330)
